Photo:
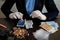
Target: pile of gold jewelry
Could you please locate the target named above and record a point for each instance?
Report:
(20, 32)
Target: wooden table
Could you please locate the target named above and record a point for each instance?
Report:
(10, 23)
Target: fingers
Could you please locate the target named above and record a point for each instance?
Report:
(21, 16)
(16, 15)
(33, 15)
(43, 17)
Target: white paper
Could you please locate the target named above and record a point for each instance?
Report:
(41, 34)
(28, 24)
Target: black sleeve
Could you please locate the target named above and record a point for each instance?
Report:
(7, 6)
(52, 9)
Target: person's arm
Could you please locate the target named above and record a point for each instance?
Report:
(50, 15)
(52, 10)
(6, 7)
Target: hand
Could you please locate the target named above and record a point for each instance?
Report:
(38, 14)
(16, 15)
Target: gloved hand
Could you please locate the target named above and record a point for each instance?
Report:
(38, 14)
(16, 15)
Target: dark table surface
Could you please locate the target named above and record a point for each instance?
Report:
(11, 23)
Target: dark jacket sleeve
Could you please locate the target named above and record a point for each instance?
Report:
(7, 6)
(52, 10)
